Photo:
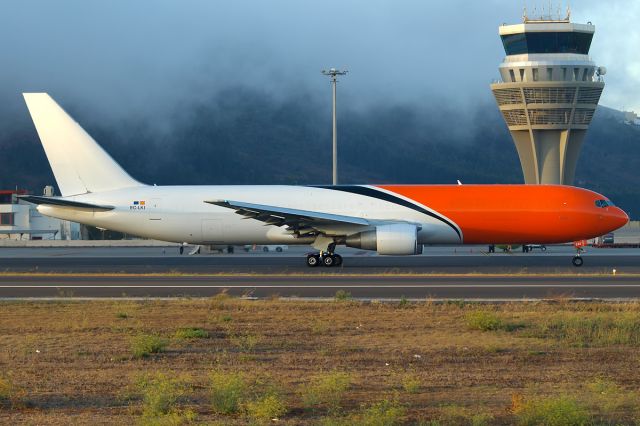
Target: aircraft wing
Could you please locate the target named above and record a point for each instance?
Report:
(61, 202)
(299, 222)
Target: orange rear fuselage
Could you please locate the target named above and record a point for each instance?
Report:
(517, 213)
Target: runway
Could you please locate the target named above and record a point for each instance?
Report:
(441, 273)
(306, 286)
(457, 260)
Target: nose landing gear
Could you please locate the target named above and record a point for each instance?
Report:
(577, 259)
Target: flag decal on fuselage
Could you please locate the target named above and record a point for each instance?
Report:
(137, 205)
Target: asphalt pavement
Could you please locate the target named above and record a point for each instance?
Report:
(440, 273)
(434, 260)
(304, 286)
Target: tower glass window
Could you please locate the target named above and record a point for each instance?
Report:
(551, 42)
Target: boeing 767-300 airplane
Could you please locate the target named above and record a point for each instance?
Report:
(389, 219)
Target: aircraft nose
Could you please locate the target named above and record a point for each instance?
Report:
(617, 217)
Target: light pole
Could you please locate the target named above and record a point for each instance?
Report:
(334, 73)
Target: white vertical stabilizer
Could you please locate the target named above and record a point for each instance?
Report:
(79, 164)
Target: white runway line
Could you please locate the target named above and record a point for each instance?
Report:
(444, 286)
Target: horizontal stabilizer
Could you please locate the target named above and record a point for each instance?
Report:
(61, 202)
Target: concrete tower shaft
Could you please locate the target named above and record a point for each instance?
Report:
(548, 93)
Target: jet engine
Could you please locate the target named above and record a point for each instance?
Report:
(394, 239)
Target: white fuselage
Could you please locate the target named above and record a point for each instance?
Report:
(181, 214)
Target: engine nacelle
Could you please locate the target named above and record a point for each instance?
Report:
(395, 239)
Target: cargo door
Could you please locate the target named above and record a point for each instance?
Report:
(212, 231)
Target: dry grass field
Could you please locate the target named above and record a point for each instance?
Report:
(231, 361)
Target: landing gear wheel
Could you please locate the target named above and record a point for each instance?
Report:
(313, 260)
(577, 261)
(337, 261)
(328, 261)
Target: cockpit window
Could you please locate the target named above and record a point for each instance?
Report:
(603, 203)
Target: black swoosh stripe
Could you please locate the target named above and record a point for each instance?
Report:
(381, 195)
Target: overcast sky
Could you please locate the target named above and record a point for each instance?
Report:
(151, 56)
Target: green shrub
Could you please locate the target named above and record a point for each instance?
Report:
(410, 383)
(481, 419)
(144, 345)
(383, 413)
(160, 394)
(342, 295)
(326, 390)
(404, 302)
(483, 321)
(245, 342)
(552, 411)
(191, 333)
(227, 391)
(319, 327)
(602, 330)
(458, 415)
(266, 408)
(611, 400)
(170, 419)
(6, 391)
(122, 315)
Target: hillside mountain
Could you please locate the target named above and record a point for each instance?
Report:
(243, 136)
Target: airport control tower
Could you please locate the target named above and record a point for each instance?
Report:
(548, 92)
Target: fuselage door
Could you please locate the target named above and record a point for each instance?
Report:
(154, 208)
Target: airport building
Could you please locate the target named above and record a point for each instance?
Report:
(548, 93)
(20, 220)
(631, 118)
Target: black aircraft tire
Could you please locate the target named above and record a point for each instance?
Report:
(577, 261)
(328, 261)
(313, 261)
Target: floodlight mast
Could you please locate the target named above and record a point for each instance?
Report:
(333, 73)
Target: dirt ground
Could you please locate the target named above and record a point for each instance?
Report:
(73, 362)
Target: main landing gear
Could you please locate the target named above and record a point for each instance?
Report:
(323, 258)
(327, 256)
